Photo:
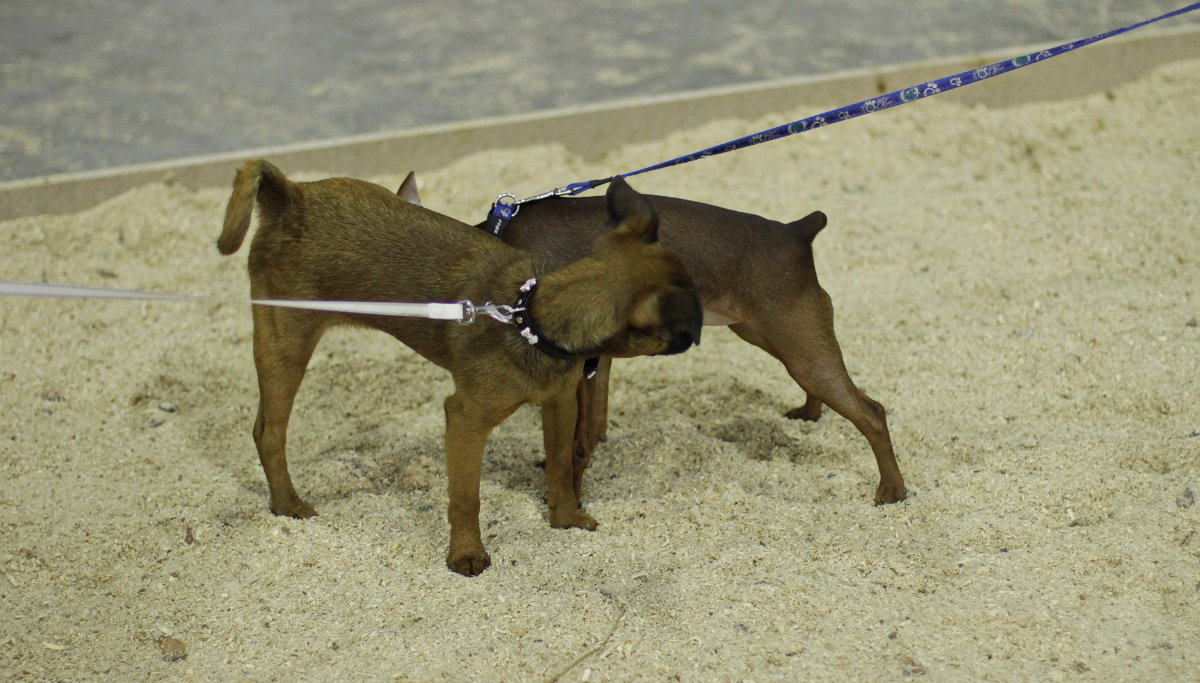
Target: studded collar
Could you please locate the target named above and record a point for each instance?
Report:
(527, 328)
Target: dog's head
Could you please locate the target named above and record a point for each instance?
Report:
(653, 298)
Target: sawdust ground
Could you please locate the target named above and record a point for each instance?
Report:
(1018, 286)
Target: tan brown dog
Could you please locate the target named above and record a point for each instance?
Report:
(755, 275)
(347, 240)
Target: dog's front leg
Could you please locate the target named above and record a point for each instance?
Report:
(581, 453)
(466, 431)
(592, 422)
(559, 416)
(598, 410)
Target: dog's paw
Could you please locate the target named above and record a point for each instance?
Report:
(470, 563)
(572, 519)
(296, 508)
(890, 492)
(805, 413)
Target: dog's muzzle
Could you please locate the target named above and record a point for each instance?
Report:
(683, 318)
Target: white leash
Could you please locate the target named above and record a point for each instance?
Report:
(463, 311)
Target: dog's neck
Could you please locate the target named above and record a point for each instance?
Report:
(527, 326)
(537, 333)
(575, 310)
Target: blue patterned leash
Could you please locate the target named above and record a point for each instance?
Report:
(506, 205)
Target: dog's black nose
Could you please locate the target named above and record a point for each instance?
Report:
(681, 342)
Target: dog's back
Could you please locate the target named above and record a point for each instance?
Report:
(720, 247)
(343, 238)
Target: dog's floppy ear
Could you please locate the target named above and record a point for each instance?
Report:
(408, 189)
(809, 226)
(630, 212)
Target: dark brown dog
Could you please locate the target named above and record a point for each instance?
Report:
(349, 240)
(755, 275)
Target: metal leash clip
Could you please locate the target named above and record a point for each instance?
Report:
(498, 312)
(568, 191)
(556, 192)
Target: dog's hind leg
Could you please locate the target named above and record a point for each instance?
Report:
(838, 391)
(811, 410)
(803, 339)
(283, 343)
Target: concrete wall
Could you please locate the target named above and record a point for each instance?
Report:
(590, 131)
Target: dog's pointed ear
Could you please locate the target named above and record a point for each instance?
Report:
(408, 189)
(631, 212)
(809, 226)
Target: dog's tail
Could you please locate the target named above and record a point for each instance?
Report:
(256, 180)
(810, 225)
